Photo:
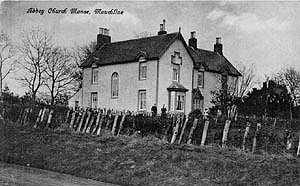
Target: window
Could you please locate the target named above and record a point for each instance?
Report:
(142, 99)
(180, 101)
(94, 75)
(198, 104)
(224, 81)
(200, 79)
(115, 85)
(143, 70)
(176, 72)
(94, 102)
(176, 58)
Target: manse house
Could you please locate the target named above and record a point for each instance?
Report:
(163, 70)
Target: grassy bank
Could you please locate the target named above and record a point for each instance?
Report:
(143, 161)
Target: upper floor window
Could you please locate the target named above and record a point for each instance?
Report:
(115, 85)
(200, 79)
(143, 70)
(94, 75)
(176, 72)
(176, 58)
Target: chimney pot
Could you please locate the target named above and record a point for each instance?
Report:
(218, 40)
(103, 37)
(218, 47)
(193, 40)
(193, 34)
(162, 28)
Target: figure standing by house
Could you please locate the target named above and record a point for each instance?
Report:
(163, 111)
(154, 110)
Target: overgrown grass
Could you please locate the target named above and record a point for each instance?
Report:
(143, 161)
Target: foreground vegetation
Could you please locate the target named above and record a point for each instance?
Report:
(143, 161)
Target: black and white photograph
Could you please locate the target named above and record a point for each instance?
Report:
(149, 93)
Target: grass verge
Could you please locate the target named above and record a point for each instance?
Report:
(143, 161)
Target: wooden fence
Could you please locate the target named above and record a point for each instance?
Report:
(247, 133)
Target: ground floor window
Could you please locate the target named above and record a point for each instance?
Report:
(177, 101)
(142, 99)
(180, 101)
(94, 101)
(198, 104)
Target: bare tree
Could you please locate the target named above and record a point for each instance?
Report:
(7, 53)
(79, 55)
(34, 47)
(246, 81)
(58, 73)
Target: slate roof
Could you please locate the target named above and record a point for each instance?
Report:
(212, 61)
(153, 48)
(128, 51)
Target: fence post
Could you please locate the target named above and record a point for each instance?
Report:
(43, 115)
(72, 120)
(49, 119)
(258, 126)
(175, 130)
(38, 118)
(245, 135)
(183, 128)
(298, 151)
(90, 123)
(192, 131)
(20, 115)
(169, 126)
(68, 114)
(121, 123)
(204, 133)
(97, 122)
(101, 122)
(24, 116)
(115, 124)
(225, 132)
(76, 124)
(274, 124)
(81, 121)
(87, 121)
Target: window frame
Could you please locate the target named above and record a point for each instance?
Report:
(94, 95)
(182, 102)
(142, 63)
(140, 100)
(176, 67)
(198, 74)
(115, 82)
(95, 71)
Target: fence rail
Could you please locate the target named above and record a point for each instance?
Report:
(251, 134)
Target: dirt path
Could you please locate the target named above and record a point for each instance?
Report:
(15, 175)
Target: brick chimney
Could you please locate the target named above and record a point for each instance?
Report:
(218, 47)
(103, 37)
(193, 40)
(162, 28)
